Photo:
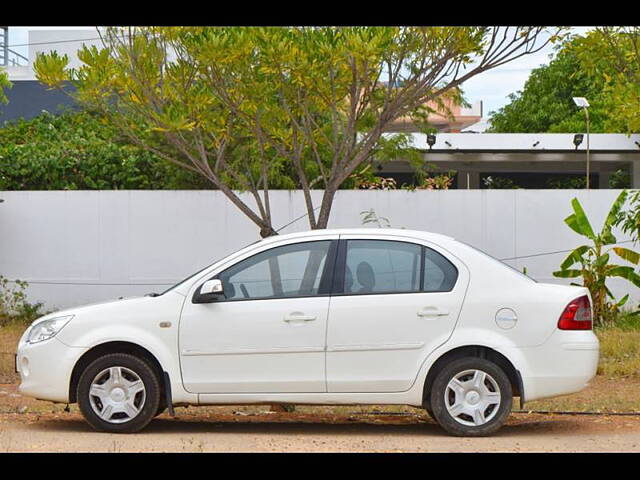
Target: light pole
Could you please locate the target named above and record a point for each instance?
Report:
(582, 102)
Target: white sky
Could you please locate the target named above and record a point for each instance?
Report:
(492, 87)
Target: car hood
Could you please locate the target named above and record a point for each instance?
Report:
(89, 308)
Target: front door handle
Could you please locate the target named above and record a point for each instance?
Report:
(298, 317)
(433, 312)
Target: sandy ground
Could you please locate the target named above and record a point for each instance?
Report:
(523, 433)
(27, 425)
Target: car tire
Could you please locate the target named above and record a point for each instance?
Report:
(471, 397)
(119, 393)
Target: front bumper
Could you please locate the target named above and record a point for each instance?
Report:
(45, 369)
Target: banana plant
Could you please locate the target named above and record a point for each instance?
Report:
(592, 261)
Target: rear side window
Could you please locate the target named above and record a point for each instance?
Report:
(386, 266)
(381, 266)
(440, 274)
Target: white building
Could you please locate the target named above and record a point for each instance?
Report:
(529, 160)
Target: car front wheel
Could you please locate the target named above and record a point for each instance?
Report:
(118, 393)
(471, 397)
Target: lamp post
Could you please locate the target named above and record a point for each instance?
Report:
(431, 140)
(582, 102)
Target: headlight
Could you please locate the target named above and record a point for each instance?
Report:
(47, 329)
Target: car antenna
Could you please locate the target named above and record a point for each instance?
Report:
(296, 219)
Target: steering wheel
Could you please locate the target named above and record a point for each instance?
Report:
(245, 293)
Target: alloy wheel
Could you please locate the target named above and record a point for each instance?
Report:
(472, 397)
(117, 394)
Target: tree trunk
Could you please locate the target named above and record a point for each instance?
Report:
(267, 231)
(325, 208)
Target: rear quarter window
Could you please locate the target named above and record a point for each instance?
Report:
(440, 275)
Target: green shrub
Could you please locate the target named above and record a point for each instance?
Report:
(81, 151)
(14, 307)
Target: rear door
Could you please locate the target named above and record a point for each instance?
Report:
(395, 300)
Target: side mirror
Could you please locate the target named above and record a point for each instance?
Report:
(209, 291)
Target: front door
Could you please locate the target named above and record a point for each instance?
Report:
(395, 302)
(268, 334)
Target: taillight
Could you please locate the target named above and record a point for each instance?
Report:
(576, 315)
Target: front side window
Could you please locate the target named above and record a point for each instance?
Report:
(381, 266)
(288, 271)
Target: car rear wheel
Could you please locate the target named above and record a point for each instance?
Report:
(471, 397)
(118, 393)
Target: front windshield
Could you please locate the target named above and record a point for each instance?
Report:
(185, 279)
(200, 271)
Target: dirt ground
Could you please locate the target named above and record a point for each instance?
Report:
(28, 425)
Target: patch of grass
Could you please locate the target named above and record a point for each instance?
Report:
(604, 394)
(619, 351)
(625, 320)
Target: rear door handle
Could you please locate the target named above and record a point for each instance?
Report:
(433, 312)
(298, 317)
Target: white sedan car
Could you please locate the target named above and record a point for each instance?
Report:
(354, 316)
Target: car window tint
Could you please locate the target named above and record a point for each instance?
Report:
(440, 274)
(287, 271)
(379, 266)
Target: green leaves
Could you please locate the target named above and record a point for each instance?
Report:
(624, 272)
(612, 218)
(628, 255)
(567, 273)
(611, 55)
(545, 103)
(576, 256)
(76, 151)
(629, 220)
(594, 264)
(578, 221)
(51, 69)
(602, 65)
(4, 83)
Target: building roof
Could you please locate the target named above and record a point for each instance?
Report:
(455, 120)
(529, 142)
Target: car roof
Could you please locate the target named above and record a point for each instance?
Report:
(401, 232)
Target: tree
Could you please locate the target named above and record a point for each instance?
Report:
(242, 105)
(545, 104)
(603, 66)
(629, 220)
(612, 55)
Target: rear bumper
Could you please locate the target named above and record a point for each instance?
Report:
(562, 365)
